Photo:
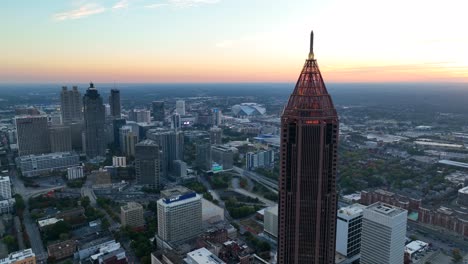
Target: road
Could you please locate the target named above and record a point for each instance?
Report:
(30, 225)
(253, 195)
(268, 183)
(215, 196)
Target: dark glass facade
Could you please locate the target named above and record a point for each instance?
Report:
(308, 159)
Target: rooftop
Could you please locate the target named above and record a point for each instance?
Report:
(464, 190)
(204, 256)
(18, 256)
(351, 210)
(385, 209)
(174, 192)
(131, 206)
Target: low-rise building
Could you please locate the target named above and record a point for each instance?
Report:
(463, 196)
(202, 256)
(74, 173)
(47, 222)
(34, 165)
(61, 250)
(25, 256)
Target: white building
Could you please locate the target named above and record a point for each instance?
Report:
(180, 107)
(25, 256)
(202, 256)
(34, 165)
(75, 173)
(119, 161)
(383, 234)
(179, 215)
(260, 159)
(270, 221)
(5, 187)
(348, 231)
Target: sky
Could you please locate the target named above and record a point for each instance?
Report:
(160, 41)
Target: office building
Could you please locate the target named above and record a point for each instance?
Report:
(74, 173)
(180, 107)
(308, 160)
(348, 231)
(27, 111)
(179, 215)
(203, 157)
(33, 134)
(71, 105)
(25, 256)
(270, 221)
(119, 161)
(147, 163)
(60, 139)
(217, 117)
(5, 187)
(114, 102)
(131, 215)
(55, 119)
(223, 155)
(202, 256)
(180, 168)
(94, 120)
(216, 136)
(260, 159)
(158, 111)
(176, 122)
(140, 116)
(172, 146)
(128, 140)
(77, 135)
(116, 125)
(463, 196)
(383, 234)
(35, 165)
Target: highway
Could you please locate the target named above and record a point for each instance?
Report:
(268, 183)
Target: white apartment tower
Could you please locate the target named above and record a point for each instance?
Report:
(349, 230)
(383, 234)
(5, 188)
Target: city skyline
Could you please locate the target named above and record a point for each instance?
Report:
(160, 41)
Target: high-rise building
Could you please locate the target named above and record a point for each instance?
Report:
(94, 120)
(383, 234)
(222, 155)
(116, 125)
(60, 139)
(25, 256)
(203, 158)
(216, 135)
(260, 159)
(119, 161)
(180, 107)
(5, 187)
(179, 215)
(131, 215)
(75, 173)
(308, 160)
(158, 111)
(33, 134)
(128, 140)
(147, 163)
(270, 220)
(217, 117)
(34, 165)
(71, 105)
(77, 135)
(172, 146)
(176, 122)
(348, 231)
(114, 102)
(140, 115)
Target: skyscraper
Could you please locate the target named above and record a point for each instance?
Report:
(176, 123)
(60, 139)
(33, 134)
(383, 234)
(114, 102)
(308, 159)
(158, 111)
(179, 215)
(216, 135)
(349, 227)
(172, 146)
(217, 117)
(71, 105)
(94, 119)
(180, 107)
(147, 163)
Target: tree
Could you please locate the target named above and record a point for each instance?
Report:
(456, 256)
(85, 202)
(10, 241)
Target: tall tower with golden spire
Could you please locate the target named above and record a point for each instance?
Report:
(308, 160)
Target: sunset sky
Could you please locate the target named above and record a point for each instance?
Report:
(57, 41)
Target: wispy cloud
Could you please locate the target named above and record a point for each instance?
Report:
(121, 4)
(224, 44)
(81, 12)
(190, 3)
(156, 5)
